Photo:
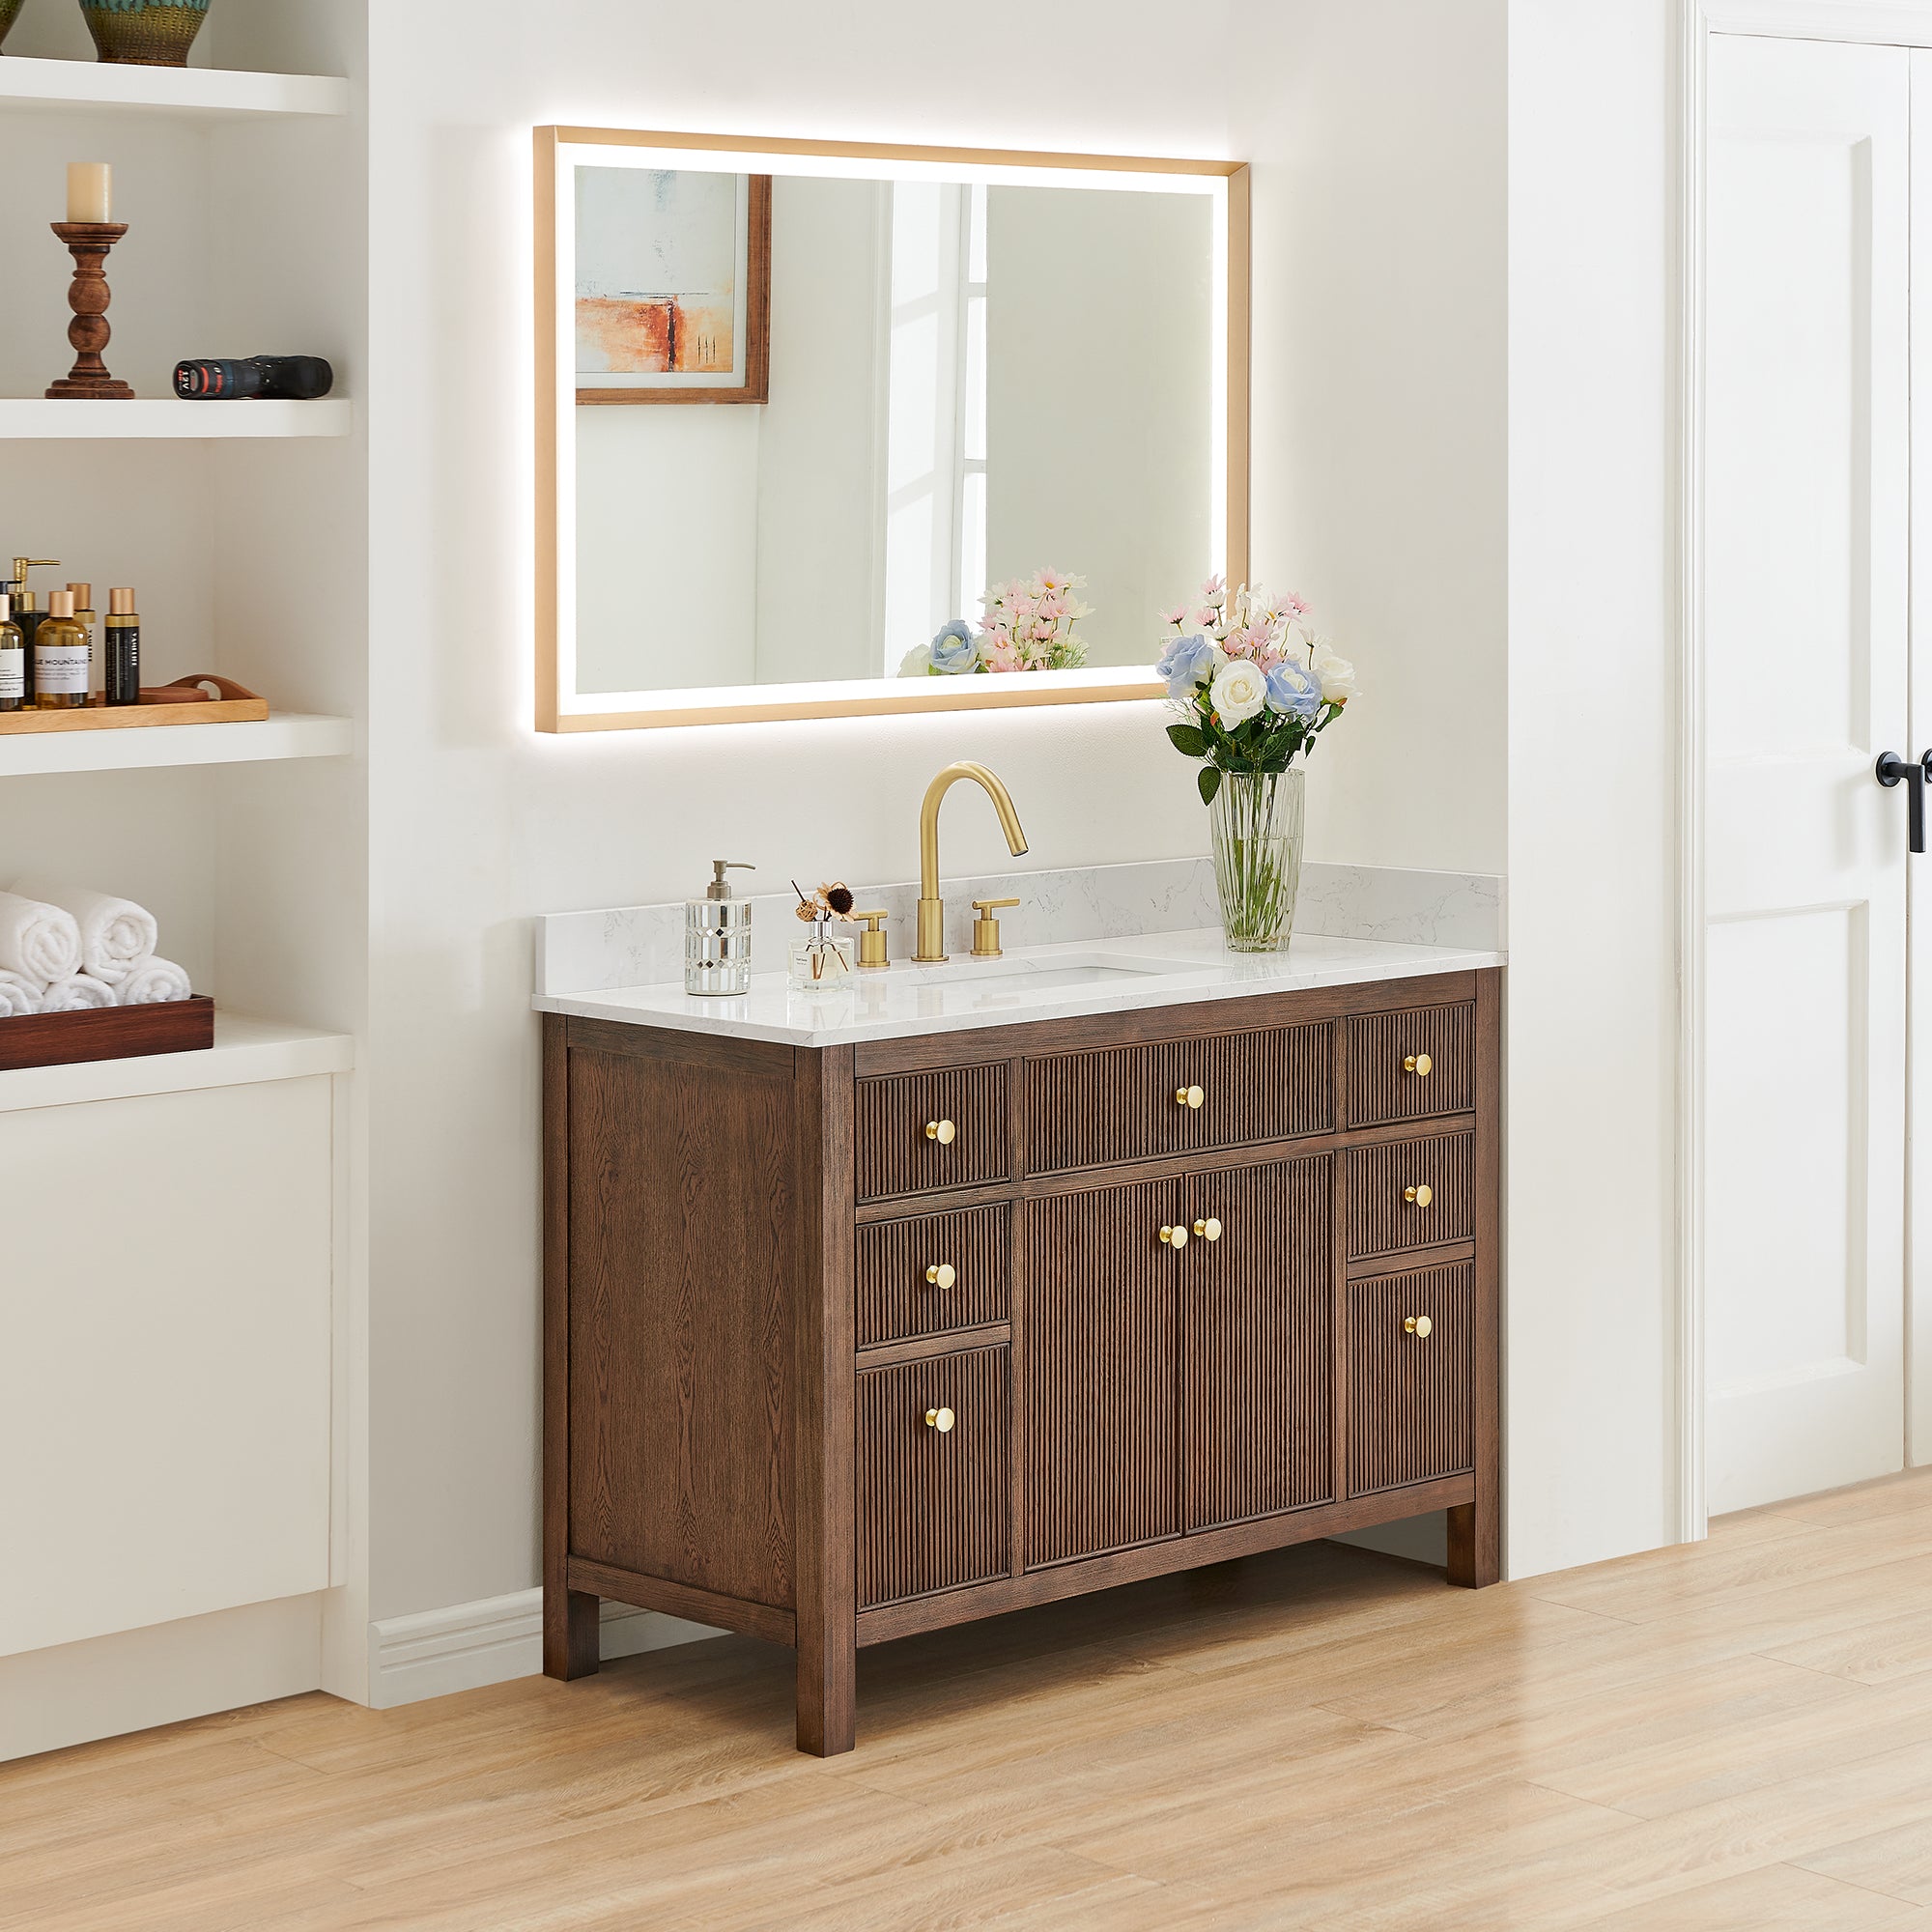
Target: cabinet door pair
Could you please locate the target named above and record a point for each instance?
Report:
(1178, 1357)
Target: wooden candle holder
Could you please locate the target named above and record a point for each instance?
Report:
(88, 295)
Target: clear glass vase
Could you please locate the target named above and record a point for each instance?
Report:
(823, 965)
(1255, 819)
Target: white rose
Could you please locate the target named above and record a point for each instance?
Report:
(917, 662)
(1239, 689)
(1337, 675)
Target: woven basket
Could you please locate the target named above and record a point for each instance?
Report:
(144, 32)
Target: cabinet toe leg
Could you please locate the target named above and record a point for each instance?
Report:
(1475, 1546)
(827, 1697)
(570, 1634)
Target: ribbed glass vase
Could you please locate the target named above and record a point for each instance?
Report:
(1255, 819)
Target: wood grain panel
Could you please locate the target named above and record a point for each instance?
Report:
(1381, 1087)
(895, 1154)
(1383, 1221)
(897, 1301)
(681, 1243)
(1411, 1400)
(932, 1505)
(1092, 1109)
(1101, 1375)
(1258, 1309)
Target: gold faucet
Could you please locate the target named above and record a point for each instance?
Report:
(931, 907)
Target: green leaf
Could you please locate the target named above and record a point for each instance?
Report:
(1209, 782)
(1189, 740)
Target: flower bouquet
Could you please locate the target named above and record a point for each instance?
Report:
(1028, 626)
(1255, 689)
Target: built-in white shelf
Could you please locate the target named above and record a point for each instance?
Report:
(203, 92)
(56, 418)
(289, 735)
(245, 1051)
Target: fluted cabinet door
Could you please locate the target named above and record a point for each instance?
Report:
(1258, 1309)
(1102, 1371)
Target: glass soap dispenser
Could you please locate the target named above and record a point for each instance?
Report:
(718, 936)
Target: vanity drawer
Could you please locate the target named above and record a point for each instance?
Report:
(932, 1501)
(1411, 1066)
(1178, 1096)
(1411, 1194)
(905, 1289)
(948, 1128)
(1411, 1378)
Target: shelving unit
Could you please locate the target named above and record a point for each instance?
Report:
(168, 418)
(289, 734)
(203, 92)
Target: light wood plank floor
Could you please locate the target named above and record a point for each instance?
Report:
(1732, 1738)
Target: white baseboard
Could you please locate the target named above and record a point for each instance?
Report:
(468, 1645)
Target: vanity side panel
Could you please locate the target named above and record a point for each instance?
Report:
(683, 1233)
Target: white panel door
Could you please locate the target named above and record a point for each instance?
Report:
(1806, 620)
(164, 1358)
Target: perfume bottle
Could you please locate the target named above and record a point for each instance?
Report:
(60, 658)
(27, 612)
(123, 667)
(718, 936)
(13, 659)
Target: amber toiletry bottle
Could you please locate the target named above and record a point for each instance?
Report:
(124, 648)
(27, 612)
(13, 659)
(85, 615)
(60, 658)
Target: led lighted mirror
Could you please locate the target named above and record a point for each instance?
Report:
(803, 407)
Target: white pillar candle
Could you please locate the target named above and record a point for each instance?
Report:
(90, 191)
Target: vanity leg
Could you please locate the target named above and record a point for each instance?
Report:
(827, 1673)
(570, 1634)
(1475, 1546)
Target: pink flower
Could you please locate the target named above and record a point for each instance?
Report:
(1003, 656)
(1177, 616)
(1206, 617)
(1295, 609)
(1215, 592)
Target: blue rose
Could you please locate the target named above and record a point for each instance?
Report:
(1295, 691)
(1186, 664)
(955, 650)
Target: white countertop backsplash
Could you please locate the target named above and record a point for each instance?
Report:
(644, 945)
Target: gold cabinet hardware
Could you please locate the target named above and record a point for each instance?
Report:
(941, 1419)
(1209, 1229)
(941, 1275)
(1419, 1197)
(872, 954)
(1420, 1065)
(942, 1131)
(1420, 1326)
(1189, 1097)
(986, 928)
(1174, 1237)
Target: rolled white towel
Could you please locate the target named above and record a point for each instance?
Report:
(39, 942)
(154, 982)
(114, 934)
(78, 993)
(19, 997)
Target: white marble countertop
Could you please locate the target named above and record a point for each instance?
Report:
(1034, 982)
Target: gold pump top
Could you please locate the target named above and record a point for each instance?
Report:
(720, 887)
(25, 600)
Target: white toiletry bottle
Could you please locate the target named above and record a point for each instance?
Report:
(718, 936)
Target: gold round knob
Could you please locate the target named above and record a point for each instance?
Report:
(941, 1275)
(1209, 1230)
(1189, 1097)
(942, 1131)
(1174, 1237)
(941, 1419)
(1420, 1326)
(1421, 1196)
(1419, 1064)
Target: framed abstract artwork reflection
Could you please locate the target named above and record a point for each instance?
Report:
(672, 285)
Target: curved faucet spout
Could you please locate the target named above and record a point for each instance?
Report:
(931, 907)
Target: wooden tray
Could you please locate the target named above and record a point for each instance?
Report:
(106, 1033)
(188, 702)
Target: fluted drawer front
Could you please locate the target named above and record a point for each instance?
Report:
(932, 1501)
(1411, 1392)
(1412, 1065)
(944, 1128)
(934, 1273)
(1176, 1097)
(1411, 1194)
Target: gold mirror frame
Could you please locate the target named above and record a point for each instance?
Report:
(881, 698)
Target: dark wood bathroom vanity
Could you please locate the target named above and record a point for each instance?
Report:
(848, 1342)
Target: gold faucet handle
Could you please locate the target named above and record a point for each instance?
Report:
(986, 928)
(872, 941)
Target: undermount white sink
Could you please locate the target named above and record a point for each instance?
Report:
(1062, 969)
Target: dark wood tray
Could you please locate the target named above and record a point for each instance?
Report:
(106, 1033)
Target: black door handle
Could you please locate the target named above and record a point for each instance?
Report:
(1889, 770)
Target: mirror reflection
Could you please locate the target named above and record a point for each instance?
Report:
(842, 429)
